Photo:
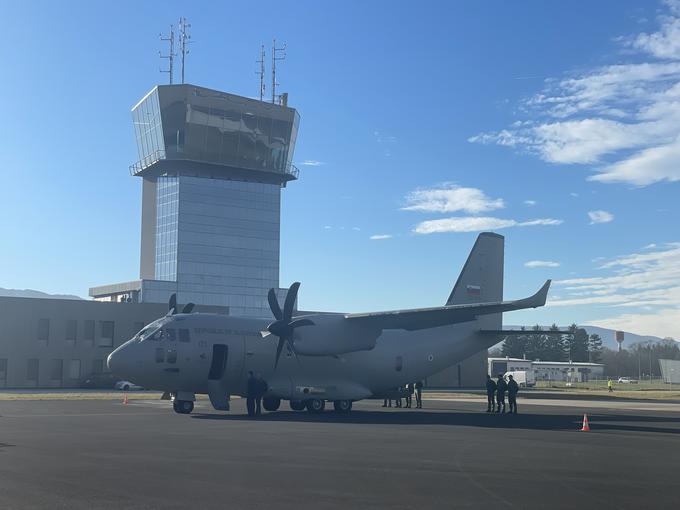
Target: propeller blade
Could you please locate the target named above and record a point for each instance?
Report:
(188, 308)
(265, 333)
(291, 296)
(172, 304)
(301, 322)
(279, 348)
(274, 304)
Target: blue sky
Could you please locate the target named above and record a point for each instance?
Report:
(555, 124)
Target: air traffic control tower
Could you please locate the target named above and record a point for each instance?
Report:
(212, 166)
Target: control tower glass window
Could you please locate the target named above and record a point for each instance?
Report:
(166, 228)
(146, 117)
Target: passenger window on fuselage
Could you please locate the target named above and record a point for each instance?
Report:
(184, 335)
(160, 355)
(172, 356)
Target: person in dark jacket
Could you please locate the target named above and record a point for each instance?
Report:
(513, 388)
(419, 395)
(409, 394)
(501, 388)
(262, 388)
(251, 393)
(490, 394)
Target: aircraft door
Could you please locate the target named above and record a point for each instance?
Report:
(218, 365)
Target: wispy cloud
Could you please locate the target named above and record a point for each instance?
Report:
(477, 224)
(530, 202)
(623, 120)
(312, 162)
(648, 282)
(450, 197)
(600, 217)
(541, 263)
(378, 237)
(327, 227)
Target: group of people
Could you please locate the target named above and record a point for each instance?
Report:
(408, 390)
(257, 387)
(496, 391)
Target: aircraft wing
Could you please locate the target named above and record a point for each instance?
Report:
(424, 318)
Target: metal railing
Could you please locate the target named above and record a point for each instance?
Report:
(147, 161)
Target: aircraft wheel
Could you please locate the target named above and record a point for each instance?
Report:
(342, 406)
(183, 406)
(271, 403)
(297, 405)
(316, 405)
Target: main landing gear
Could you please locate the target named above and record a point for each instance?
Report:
(317, 405)
(183, 406)
(271, 403)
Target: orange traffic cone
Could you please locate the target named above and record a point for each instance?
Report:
(586, 426)
(125, 400)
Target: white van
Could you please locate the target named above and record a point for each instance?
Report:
(524, 378)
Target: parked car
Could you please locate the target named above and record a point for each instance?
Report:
(627, 380)
(127, 386)
(101, 381)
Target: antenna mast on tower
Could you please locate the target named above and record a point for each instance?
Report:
(275, 56)
(261, 72)
(170, 56)
(184, 41)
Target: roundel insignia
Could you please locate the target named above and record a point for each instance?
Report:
(430, 357)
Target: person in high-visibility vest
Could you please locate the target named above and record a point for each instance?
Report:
(610, 385)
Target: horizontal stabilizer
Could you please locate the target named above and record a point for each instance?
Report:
(424, 318)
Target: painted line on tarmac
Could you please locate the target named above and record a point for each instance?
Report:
(593, 404)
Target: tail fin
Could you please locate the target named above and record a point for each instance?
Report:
(481, 280)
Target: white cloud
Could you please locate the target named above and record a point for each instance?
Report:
(646, 283)
(575, 195)
(600, 217)
(312, 162)
(327, 227)
(378, 237)
(451, 198)
(623, 119)
(541, 263)
(530, 202)
(476, 224)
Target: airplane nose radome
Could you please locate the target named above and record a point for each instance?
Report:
(110, 361)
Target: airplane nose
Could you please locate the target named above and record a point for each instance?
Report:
(118, 360)
(112, 360)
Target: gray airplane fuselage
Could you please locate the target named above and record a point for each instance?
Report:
(398, 357)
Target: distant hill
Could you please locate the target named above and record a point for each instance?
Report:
(28, 293)
(607, 335)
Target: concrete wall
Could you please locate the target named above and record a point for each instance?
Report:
(25, 334)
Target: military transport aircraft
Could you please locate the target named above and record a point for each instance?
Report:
(316, 358)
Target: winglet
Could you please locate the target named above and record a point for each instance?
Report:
(540, 297)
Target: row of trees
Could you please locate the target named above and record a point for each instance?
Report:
(535, 344)
(639, 360)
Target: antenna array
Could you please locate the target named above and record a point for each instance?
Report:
(277, 54)
(171, 55)
(184, 41)
(261, 72)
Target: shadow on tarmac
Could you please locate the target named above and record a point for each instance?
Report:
(627, 423)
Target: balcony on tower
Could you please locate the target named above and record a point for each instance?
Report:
(190, 130)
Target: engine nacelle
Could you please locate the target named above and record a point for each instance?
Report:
(331, 335)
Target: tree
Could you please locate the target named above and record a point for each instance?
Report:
(577, 343)
(535, 343)
(515, 346)
(595, 348)
(554, 346)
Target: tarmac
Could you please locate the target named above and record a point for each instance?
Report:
(103, 454)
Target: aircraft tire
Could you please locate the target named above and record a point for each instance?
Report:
(271, 403)
(315, 405)
(183, 406)
(342, 406)
(297, 405)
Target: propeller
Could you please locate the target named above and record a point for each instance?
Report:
(172, 306)
(284, 325)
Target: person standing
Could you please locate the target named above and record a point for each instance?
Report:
(490, 394)
(513, 388)
(610, 385)
(262, 388)
(251, 392)
(397, 401)
(387, 402)
(501, 388)
(409, 395)
(419, 395)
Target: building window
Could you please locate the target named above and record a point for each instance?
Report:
(74, 369)
(171, 334)
(57, 372)
(71, 331)
(44, 330)
(160, 355)
(3, 373)
(32, 370)
(88, 332)
(106, 334)
(172, 356)
(184, 335)
(97, 366)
